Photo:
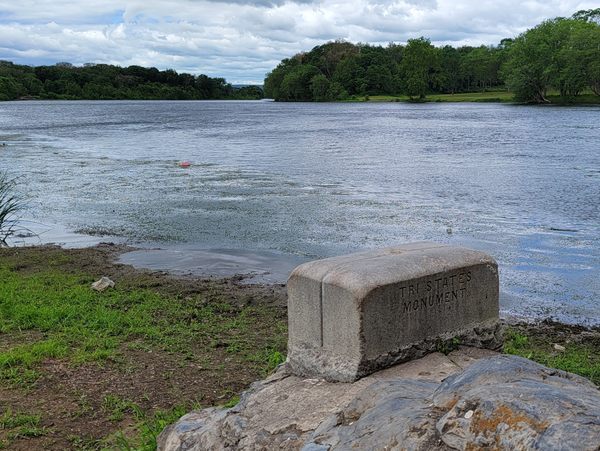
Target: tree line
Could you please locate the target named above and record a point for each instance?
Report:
(561, 54)
(108, 82)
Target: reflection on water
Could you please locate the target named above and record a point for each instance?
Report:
(315, 180)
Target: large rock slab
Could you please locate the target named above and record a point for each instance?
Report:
(485, 401)
(351, 315)
(515, 403)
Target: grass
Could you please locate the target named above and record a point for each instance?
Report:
(20, 425)
(10, 206)
(50, 314)
(488, 96)
(148, 426)
(82, 325)
(116, 407)
(578, 357)
(586, 98)
(270, 357)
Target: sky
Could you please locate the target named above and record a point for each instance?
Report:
(242, 40)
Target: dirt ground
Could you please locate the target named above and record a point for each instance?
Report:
(81, 405)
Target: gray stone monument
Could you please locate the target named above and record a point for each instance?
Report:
(352, 315)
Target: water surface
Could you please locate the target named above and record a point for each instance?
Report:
(315, 180)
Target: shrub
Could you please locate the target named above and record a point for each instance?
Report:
(10, 206)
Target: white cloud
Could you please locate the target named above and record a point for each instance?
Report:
(242, 40)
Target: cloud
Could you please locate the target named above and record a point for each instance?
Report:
(241, 40)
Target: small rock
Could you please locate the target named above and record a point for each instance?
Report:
(469, 414)
(559, 347)
(103, 284)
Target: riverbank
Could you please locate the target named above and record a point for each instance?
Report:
(81, 369)
(480, 97)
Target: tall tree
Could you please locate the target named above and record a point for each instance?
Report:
(559, 53)
(418, 67)
(586, 43)
(531, 63)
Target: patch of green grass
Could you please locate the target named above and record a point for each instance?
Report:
(116, 407)
(515, 342)
(11, 420)
(84, 406)
(232, 402)
(49, 311)
(21, 425)
(380, 98)
(16, 363)
(586, 98)
(487, 96)
(578, 358)
(269, 359)
(82, 325)
(28, 432)
(84, 443)
(148, 428)
(447, 346)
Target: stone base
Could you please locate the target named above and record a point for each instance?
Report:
(470, 399)
(333, 367)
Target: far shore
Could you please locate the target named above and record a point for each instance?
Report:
(478, 97)
(503, 96)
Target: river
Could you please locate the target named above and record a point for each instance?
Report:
(287, 182)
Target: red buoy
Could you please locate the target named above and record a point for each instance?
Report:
(184, 164)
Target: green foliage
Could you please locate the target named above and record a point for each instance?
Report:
(447, 346)
(418, 66)
(588, 15)
(11, 420)
(232, 402)
(578, 358)
(269, 358)
(82, 325)
(148, 427)
(116, 407)
(10, 206)
(341, 70)
(247, 93)
(319, 88)
(21, 425)
(9, 88)
(559, 54)
(107, 82)
(296, 84)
